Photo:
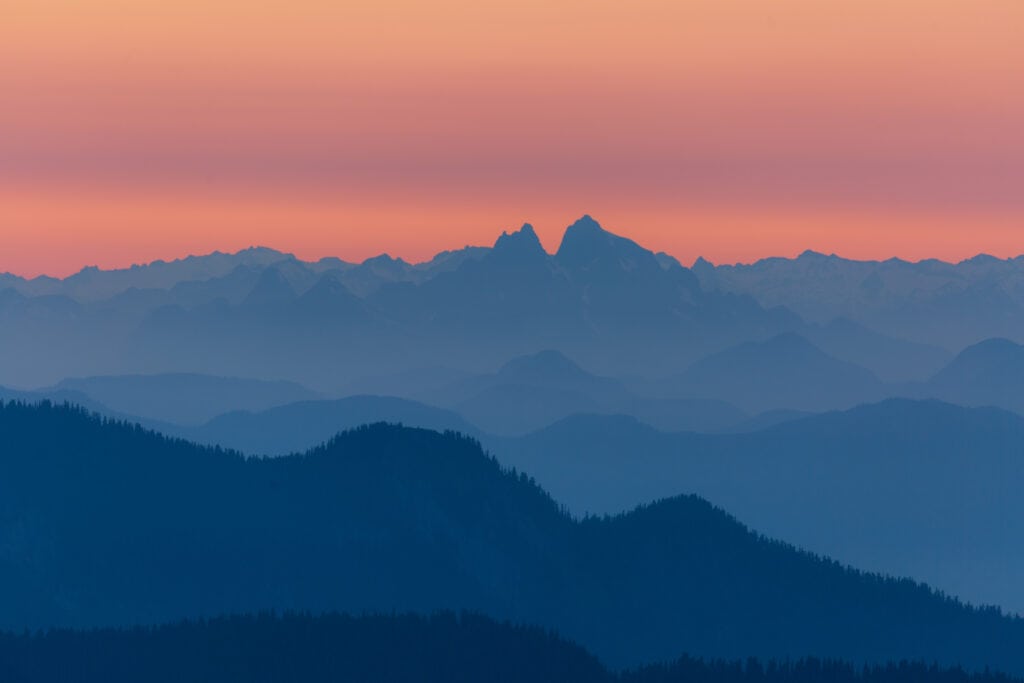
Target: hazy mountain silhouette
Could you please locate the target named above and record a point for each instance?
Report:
(602, 299)
(182, 398)
(620, 280)
(990, 373)
(440, 648)
(332, 303)
(889, 358)
(94, 284)
(105, 523)
(918, 488)
(605, 301)
(514, 286)
(272, 291)
(933, 302)
(786, 371)
(297, 427)
(417, 383)
(533, 391)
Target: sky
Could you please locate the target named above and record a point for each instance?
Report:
(132, 130)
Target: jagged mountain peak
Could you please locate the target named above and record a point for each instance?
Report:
(522, 243)
(586, 243)
(385, 259)
(702, 262)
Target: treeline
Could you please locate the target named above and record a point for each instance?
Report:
(445, 647)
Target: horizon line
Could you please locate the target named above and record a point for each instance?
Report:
(287, 254)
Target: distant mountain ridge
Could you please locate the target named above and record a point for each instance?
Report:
(919, 488)
(930, 301)
(93, 283)
(990, 373)
(181, 398)
(535, 390)
(784, 372)
(601, 298)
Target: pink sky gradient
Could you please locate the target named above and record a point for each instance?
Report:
(733, 129)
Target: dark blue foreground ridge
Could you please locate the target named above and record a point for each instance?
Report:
(107, 524)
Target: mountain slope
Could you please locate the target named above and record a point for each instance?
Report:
(107, 523)
(932, 302)
(916, 488)
(889, 358)
(603, 299)
(183, 398)
(533, 391)
(299, 426)
(784, 372)
(990, 373)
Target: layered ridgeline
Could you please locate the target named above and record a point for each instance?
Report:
(913, 488)
(753, 384)
(930, 301)
(867, 486)
(104, 524)
(442, 648)
(600, 297)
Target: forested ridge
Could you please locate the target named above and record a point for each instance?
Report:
(104, 524)
(440, 648)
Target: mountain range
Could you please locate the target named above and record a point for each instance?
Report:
(914, 488)
(950, 305)
(106, 523)
(600, 299)
(801, 478)
(742, 388)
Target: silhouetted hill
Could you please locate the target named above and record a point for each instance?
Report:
(533, 391)
(442, 648)
(889, 358)
(784, 372)
(912, 488)
(549, 366)
(529, 392)
(990, 373)
(104, 523)
(183, 398)
(300, 426)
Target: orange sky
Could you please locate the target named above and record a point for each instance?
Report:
(139, 129)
